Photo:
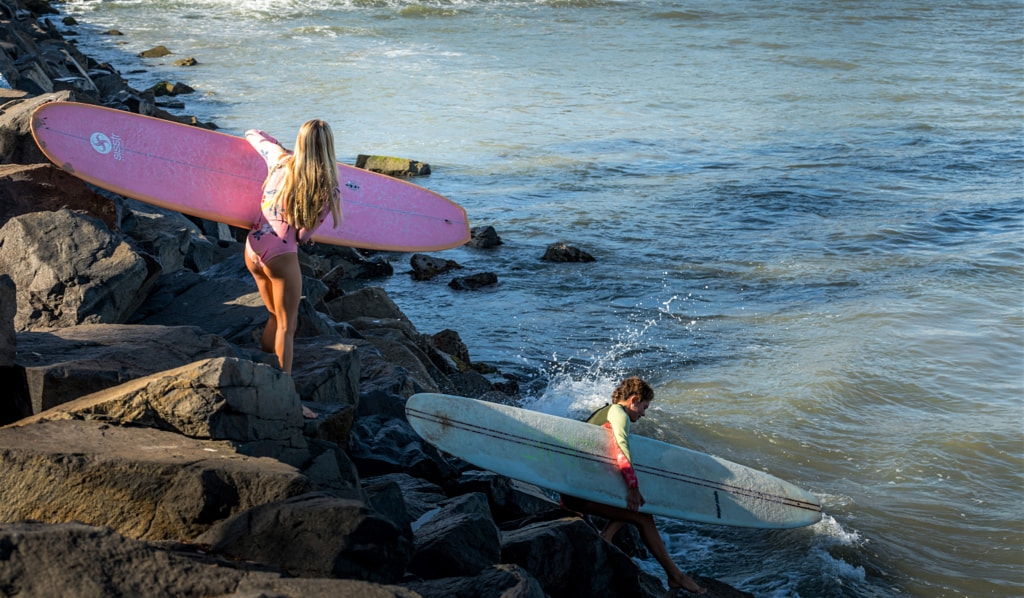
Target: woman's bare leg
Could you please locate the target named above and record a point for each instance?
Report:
(280, 286)
(267, 294)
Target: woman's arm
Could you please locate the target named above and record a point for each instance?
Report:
(267, 146)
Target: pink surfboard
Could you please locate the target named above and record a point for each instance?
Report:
(218, 177)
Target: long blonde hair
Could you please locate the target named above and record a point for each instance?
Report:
(311, 177)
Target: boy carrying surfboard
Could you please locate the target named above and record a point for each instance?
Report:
(630, 401)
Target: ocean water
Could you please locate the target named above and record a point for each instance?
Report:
(807, 219)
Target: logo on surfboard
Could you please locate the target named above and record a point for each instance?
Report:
(104, 145)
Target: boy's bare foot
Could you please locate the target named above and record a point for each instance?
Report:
(309, 413)
(686, 583)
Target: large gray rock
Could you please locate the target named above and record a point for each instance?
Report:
(315, 536)
(368, 302)
(74, 559)
(253, 587)
(144, 483)
(570, 560)
(223, 301)
(254, 406)
(419, 496)
(509, 499)
(16, 143)
(456, 542)
(25, 189)
(8, 307)
(499, 581)
(381, 445)
(326, 371)
(162, 233)
(68, 363)
(70, 269)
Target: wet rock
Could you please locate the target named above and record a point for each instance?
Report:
(315, 535)
(157, 52)
(562, 253)
(115, 32)
(483, 237)
(70, 269)
(186, 62)
(390, 166)
(451, 343)
(143, 483)
(16, 143)
(68, 363)
(570, 560)
(499, 581)
(474, 282)
(425, 267)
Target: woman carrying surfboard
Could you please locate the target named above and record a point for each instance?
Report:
(300, 189)
(629, 403)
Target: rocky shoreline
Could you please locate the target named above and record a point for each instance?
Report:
(151, 450)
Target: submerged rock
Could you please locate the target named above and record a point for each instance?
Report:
(562, 253)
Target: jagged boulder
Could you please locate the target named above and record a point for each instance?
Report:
(392, 166)
(419, 496)
(484, 237)
(562, 253)
(499, 581)
(508, 499)
(474, 282)
(315, 535)
(165, 234)
(425, 267)
(8, 307)
(68, 363)
(254, 406)
(75, 559)
(570, 560)
(326, 371)
(70, 269)
(223, 301)
(143, 483)
(368, 302)
(16, 143)
(25, 189)
(461, 539)
(381, 445)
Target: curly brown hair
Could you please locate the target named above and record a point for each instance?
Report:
(633, 386)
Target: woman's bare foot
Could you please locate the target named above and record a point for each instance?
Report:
(309, 413)
(686, 583)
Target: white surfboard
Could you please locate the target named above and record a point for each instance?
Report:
(574, 458)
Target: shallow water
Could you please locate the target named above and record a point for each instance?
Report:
(807, 220)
